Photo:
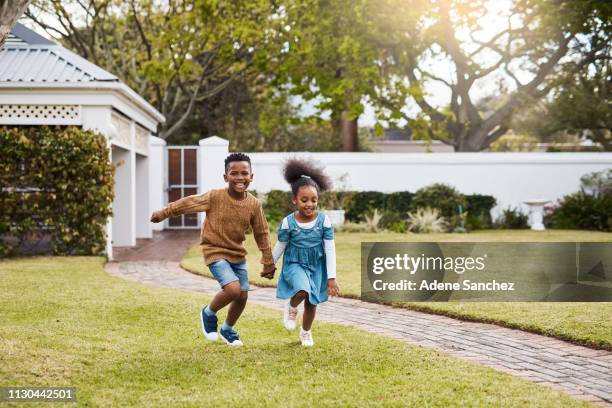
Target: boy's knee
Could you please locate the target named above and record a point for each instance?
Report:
(302, 295)
(232, 290)
(244, 295)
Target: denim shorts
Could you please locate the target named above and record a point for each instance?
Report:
(226, 272)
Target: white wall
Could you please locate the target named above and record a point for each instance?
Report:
(510, 177)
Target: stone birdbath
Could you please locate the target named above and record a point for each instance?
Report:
(536, 213)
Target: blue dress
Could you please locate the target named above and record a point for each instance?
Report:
(304, 265)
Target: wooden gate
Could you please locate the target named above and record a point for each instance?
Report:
(182, 181)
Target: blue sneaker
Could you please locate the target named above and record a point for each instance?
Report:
(209, 325)
(230, 337)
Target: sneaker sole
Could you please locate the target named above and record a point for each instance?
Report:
(237, 343)
(209, 336)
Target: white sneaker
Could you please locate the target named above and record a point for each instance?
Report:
(290, 316)
(306, 338)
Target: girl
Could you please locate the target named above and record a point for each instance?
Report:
(306, 238)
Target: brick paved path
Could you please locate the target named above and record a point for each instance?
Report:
(579, 371)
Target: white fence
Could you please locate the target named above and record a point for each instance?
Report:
(511, 178)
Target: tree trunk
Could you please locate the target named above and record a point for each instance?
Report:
(350, 139)
(10, 11)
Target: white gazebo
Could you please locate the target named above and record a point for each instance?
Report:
(43, 83)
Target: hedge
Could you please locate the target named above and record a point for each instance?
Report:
(394, 207)
(57, 186)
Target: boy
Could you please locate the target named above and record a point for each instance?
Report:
(229, 212)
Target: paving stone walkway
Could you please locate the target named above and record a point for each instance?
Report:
(583, 372)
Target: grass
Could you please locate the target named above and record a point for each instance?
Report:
(65, 322)
(579, 322)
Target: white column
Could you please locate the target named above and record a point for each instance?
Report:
(211, 156)
(98, 119)
(157, 177)
(124, 206)
(143, 203)
(212, 152)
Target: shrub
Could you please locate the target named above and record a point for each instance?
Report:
(57, 185)
(335, 200)
(394, 221)
(399, 227)
(512, 218)
(363, 202)
(590, 208)
(399, 202)
(425, 220)
(373, 220)
(277, 205)
(478, 208)
(597, 184)
(583, 211)
(444, 198)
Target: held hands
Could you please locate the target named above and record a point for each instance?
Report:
(268, 271)
(332, 287)
(158, 216)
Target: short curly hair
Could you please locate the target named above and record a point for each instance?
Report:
(236, 157)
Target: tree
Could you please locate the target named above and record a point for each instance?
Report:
(175, 54)
(330, 60)
(10, 11)
(537, 40)
(580, 103)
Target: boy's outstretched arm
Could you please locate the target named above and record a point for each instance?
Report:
(186, 205)
(262, 237)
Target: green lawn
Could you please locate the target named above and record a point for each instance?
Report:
(584, 323)
(65, 322)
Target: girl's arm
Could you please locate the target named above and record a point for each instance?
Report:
(283, 239)
(330, 262)
(278, 250)
(330, 257)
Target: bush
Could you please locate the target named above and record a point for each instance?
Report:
(394, 221)
(583, 211)
(597, 184)
(590, 208)
(399, 202)
(512, 218)
(277, 205)
(335, 200)
(478, 208)
(442, 197)
(394, 207)
(57, 186)
(362, 203)
(426, 220)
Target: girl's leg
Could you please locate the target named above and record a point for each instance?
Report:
(309, 315)
(236, 308)
(298, 298)
(230, 292)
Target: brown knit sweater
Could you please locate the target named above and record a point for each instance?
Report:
(227, 219)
